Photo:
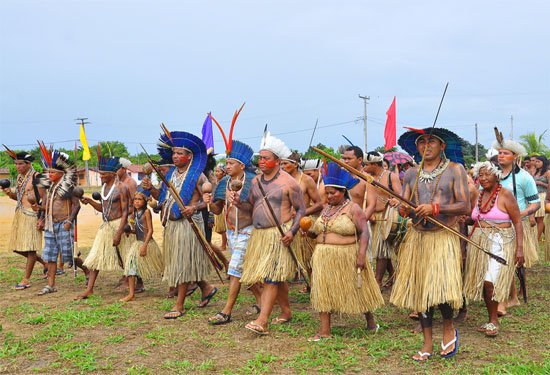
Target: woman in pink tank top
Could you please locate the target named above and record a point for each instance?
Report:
(497, 228)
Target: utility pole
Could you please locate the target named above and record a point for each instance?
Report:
(82, 121)
(511, 127)
(365, 100)
(477, 147)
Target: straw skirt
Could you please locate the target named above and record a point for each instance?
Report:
(267, 259)
(24, 235)
(530, 244)
(304, 247)
(219, 223)
(379, 246)
(184, 259)
(481, 268)
(103, 255)
(429, 271)
(334, 282)
(147, 267)
(540, 212)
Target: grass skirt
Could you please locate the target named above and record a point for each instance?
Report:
(219, 223)
(24, 236)
(267, 258)
(428, 271)
(540, 212)
(126, 243)
(530, 244)
(304, 247)
(184, 259)
(478, 263)
(547, 237)
(147, 267)
(103, 256)
(380, 248)
(334, 282)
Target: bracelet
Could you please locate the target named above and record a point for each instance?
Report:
(435, 209)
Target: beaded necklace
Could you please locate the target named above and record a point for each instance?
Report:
(428, 177)
(488, 206)
(428, 182)
(327, 216)
(22, 182)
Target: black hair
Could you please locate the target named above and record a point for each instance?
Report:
(356, 151)
(210, 164)
(542, 170)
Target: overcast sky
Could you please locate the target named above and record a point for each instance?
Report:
(130, 65)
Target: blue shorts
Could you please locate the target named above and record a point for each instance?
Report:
(60, 240)
(236, 242)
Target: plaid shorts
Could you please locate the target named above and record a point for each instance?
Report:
(237, 245)
(60, 240)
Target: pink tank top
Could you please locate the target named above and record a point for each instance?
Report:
(495, 214)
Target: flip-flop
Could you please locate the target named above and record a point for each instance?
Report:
(277, 321)
(445, 346)
(253, 310)
(191, 291)
(22, 286)
(207, 298)
(491, 330)
(175, 314)
(374, 329)
(47, 290)
(256, 328)
(220, 318)
(482, 328)
(422, 355)
(318, 338)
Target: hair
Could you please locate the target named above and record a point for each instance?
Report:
(210, 164)
(145, 199)
(542, 170)
(356, 151)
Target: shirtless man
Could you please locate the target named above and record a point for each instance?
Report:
(382, 250)
(239, 222)
(60, 207)
(25, 237)
(268, 259)
(185, 260)
(105, 253)
(427, 250)
(365, 196)
(303, 245)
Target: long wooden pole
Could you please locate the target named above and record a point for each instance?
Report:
(406, 202)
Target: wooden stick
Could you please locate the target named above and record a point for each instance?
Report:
(406, 202)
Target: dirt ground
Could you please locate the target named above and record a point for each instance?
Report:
(54, 334)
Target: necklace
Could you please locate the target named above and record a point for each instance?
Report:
(428, 177)
(105, 197)
(327, 215)
(488, 206)
(265, 182)
(21, 185)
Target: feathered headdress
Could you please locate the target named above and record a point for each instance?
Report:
(59, 161)
(493, 168)
(334, 175)
(179, 139)
(374, 157)
(275, 145)
(294, 157)
(22, 155)
(453, 145)
(107, 164)
(508, 144)
(140, 190)
(311, 164)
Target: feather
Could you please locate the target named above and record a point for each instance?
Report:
(346, 138)
(12, 154)
(419, 131)
(221, 130)
(499, 137)
(230, 140)
(46, 155)
(166, 131)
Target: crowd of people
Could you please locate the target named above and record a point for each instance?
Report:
(444, 236)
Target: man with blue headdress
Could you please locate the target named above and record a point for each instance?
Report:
(184, 258)
(105, 252)
(429, 260)
(239, 222)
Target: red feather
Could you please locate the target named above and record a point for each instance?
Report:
(221, 131)
(325, 166)
(45, 154)
(12, 154)
(230, 141)
(419, 131)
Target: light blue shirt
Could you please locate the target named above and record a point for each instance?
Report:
(526, 188)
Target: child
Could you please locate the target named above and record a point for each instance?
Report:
(144, 258)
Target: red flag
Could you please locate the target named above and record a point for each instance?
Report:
(390, 129)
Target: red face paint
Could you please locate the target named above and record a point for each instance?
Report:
(270, 164)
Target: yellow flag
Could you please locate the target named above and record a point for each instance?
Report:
(85, 149)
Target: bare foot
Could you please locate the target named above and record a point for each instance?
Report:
(512, 303)
(84, 295)
(128, 298)
(462, 315)
(417, 329)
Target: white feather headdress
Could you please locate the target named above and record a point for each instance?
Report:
(494, 169)
(311, 164)
(275, 145)
(510, 145)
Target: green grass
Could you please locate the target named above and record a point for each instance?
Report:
(76, 354)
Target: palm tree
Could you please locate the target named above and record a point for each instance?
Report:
(534, 145)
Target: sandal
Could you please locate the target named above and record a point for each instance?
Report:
(219, 318)
(374, 329)
(22, 286)
(253, 310)
(445, 346)
(191, 290)
(174, 314)
(257, 329)
(318, 338)
(491, 330)
(278, 321)
(206, 300)
(483, 328)
(47, 290)
(421, 356)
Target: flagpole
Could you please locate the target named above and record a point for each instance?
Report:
(82, 122)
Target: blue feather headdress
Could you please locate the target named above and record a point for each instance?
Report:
(191, 143)
(334, 175)
(453, 145)
(140, 190)
(107, 164)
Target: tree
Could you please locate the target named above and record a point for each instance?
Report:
(534, 145)
(383, 150)
(310, 154)
(469, 152)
